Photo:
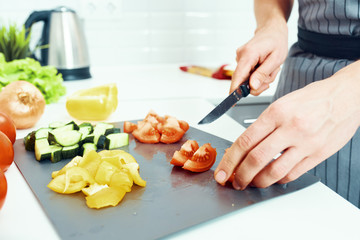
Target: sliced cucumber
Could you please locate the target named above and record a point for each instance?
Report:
(116, 140)
(101, 141)
(112, 130)
(57, 124)
(29, 141)
(42, 149)
(88, 147)
(42, 133)
(75, 126)
(63, 128)
(88, 139)
(70, 151)
(66, 138)
(100, 129)
(56, 153)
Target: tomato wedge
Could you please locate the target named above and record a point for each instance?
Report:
(129, 127)
(146, 133)
(154, 129)
(3, 188)
(193, 158)
(202, 160)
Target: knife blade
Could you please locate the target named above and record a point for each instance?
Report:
(242, 91)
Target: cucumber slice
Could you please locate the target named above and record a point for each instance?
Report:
(70, 151)
(100, 129)
(116, 140)
(42, 133)
(66, 138)
(55, 153)
(63, 129)
(112, 130)
(57, 124)
(75, 126)
(101, 141)
(88, 147)
(42, 149)
(29, 141)
(88, 139)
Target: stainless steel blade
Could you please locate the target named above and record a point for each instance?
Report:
(242, 91)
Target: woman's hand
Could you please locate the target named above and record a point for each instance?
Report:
(307, 126)
(261, 57)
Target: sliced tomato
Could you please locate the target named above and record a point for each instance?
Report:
(146, 133)
(189, 148)
(178, 159)
(129, 127)
(171, 134)
(184, 125)
(202, 160)
(152, 113)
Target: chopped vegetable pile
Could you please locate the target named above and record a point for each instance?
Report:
(66, 140)
(103, 177)
(155, 129)
(45, 78)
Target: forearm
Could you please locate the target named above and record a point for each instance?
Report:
(272, 11)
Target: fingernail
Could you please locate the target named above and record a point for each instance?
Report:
(220, 176)
(236, 185)
(255, 83)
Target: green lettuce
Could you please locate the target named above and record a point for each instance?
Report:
(45, 78)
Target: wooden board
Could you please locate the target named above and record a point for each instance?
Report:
(173, 200)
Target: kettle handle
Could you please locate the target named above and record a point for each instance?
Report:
(40, 16)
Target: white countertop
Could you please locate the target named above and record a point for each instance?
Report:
(315, 212)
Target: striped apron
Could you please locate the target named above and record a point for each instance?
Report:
(340, 172)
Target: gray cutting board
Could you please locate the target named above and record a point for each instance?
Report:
(173, 200)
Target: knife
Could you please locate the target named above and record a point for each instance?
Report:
(242, 91)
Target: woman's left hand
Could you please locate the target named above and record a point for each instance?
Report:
(306, 126)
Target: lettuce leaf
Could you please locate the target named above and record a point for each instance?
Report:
(45, 78)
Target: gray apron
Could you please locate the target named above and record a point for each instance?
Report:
(340, 172)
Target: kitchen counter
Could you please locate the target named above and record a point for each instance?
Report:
(315, 212)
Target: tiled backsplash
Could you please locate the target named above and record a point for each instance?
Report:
(154, 31)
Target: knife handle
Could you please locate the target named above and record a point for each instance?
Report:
(243, 90)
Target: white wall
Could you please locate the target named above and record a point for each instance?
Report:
(155, 31)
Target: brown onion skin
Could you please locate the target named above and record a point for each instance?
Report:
(23, 103)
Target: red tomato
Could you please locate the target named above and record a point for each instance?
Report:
(6, 152)
(171, 134)
(186, 152)
(184, 125)
(7, 126)
(146, 133)
(129, 127)
(202, 160)
(3, 188)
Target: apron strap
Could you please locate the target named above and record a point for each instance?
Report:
(327, 45)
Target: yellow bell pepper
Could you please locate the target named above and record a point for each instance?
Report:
(93, 188)
(104, 172)
(105, 197)
(134, 172)
(121, 154)
(91, 162)
(74, 162)
(95, 104)
(73, 180)
(122, 179)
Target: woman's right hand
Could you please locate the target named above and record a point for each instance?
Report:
(261, 57)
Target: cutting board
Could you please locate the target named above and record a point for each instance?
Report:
(173, 200)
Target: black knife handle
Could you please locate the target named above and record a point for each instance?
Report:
(243, 90)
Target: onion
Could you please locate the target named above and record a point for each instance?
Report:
(23, 102)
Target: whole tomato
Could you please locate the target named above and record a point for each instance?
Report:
(3, 188)
(6, 152)
(7, 126)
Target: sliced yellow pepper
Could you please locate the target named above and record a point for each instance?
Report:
(122, 179)
(105, 197)
(96, 103)
(93, 188)
(134, 172)
(73, 180)
(91, 162)
(104, 172)
(74, 162)
(121, 154)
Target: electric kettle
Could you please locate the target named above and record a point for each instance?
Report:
(62, 42)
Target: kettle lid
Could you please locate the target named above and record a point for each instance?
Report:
(63, 9)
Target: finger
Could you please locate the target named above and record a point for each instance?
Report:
(245, 66)
(264, 71)
(259, 157)
(302, 167)
(278, 168)
(255, 133)
(266, 84)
